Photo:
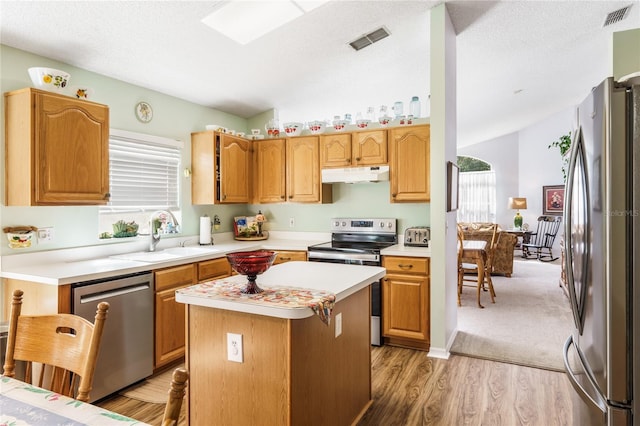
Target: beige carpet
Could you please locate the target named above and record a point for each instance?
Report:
(155, 389)
(527, 325)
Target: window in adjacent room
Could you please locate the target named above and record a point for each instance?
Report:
(477, 191)
(144, 173)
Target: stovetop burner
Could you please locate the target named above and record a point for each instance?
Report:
(359, 236)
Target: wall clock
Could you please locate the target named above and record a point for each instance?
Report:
(144, 112)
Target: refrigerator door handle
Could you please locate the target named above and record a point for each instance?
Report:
(599, 401)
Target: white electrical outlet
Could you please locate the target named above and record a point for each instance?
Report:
(292, 222)
(338, 323)
(45, 235)
(234, 347)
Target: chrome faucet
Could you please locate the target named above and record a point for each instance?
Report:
(155, 231)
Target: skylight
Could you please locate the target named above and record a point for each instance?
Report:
(246, 21)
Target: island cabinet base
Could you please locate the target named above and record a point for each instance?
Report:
(294, 372)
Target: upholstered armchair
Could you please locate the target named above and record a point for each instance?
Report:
(503, 260)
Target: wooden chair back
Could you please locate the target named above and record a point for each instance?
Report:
(176, 395)
(60, 351)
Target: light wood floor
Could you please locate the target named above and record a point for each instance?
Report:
(411, 389)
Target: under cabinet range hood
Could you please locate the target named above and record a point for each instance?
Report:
(356, 174)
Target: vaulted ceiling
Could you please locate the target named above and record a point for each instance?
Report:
(517, 61)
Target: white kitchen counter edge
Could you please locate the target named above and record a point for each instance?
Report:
(339, 279)
(402, 250)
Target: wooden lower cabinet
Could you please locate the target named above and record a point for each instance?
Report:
(213, 269)
(405, 296)
(169, 314)
(283, 256)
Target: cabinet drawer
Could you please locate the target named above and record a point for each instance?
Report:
(175, 277)
(289, 256)
(212, 269)
(406, 265)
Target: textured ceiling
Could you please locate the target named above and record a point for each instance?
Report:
(551, 52)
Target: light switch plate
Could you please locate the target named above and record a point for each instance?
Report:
(234, 347)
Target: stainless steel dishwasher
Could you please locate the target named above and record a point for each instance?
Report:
(126, 349)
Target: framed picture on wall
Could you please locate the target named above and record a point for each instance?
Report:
(453, 173)
(552, 200)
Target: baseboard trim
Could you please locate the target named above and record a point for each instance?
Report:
(443, 353)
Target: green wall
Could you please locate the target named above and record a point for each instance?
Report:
(626, 53)
(176, 118)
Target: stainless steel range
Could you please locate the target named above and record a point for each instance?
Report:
(358, 241)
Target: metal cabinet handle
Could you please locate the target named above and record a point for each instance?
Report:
(224, 197)
(405, 266)
(282, 197)
(285, 258)
(290, 196)
(357, 158)
(107, 195)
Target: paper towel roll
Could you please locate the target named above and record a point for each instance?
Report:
(205, 230)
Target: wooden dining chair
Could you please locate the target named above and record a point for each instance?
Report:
(176, 395)
(472, 268)
(60, 350)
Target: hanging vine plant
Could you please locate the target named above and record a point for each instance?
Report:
(564, 145)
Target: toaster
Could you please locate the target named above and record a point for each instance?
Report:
(417, 236)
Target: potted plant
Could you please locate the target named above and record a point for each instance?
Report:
(564, 145)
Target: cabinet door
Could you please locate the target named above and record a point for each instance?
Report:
(405, 304)
(335, 150)
(370, 148)
(71, 151)
(303, 170)
(409, 164)
(204, 163)
(235, 169)
(170, 327)
(270, 171)
(170, 315)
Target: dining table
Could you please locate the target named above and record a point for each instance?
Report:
(476, 250)
(25, 404)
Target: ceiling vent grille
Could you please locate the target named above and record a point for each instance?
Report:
(370, 38)
(616, 16)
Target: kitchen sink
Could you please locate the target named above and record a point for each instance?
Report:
(147, 256)
(191, 251)
(164, 255)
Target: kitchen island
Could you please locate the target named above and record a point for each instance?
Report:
(295, 369)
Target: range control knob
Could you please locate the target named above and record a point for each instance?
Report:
(336, 223)
(382, 225)
(344, 223)
(390, 225)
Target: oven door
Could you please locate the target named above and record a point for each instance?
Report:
(376, 287)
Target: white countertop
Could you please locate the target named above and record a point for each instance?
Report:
(68, 266)
(60, 267)
(339, 279)
(402, 250)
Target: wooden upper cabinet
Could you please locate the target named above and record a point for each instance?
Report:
(369, 148)
(303, 171)
(270, 161)
(409, 164)
(221, 168)
(57, 150)
(353, 149)
(335, 150)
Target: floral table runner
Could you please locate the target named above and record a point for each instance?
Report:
(319, 301)
(25, 404)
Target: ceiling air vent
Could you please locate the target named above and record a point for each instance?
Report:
(370, 38)
(616, 16)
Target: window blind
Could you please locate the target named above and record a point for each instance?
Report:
(143, 174)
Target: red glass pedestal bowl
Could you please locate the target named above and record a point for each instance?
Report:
(251, 264)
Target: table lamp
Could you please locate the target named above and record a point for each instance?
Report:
(517, 204)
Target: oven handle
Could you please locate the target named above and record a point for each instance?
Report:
(315, 255)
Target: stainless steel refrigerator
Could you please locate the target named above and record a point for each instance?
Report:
(602, 251)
